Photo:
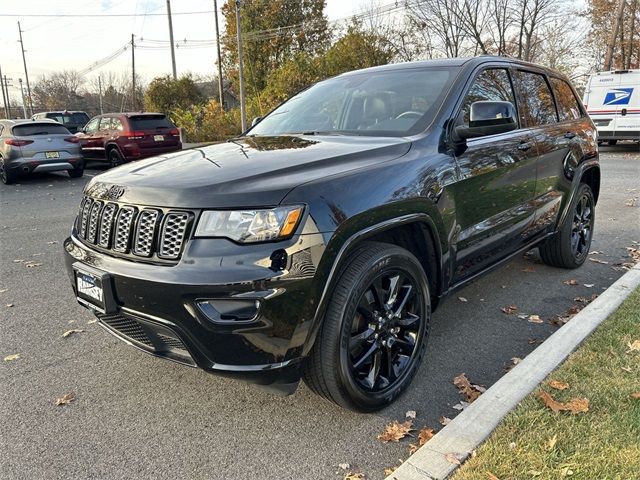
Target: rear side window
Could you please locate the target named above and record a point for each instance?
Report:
(39, 129)
(116, 124)
(568, 106)
(144, 122)
(105, 123)
(539, 108)
(492, 84)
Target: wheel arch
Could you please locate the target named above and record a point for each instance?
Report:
(591, 176)
(417, 233)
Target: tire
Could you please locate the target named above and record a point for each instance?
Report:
(114, 157)
(77, 172)
(612, 143)
(7, 177)
(569, 247)
(352, 362)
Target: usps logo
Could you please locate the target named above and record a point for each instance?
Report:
(619, 96)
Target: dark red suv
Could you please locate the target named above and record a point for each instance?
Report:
(122, 137)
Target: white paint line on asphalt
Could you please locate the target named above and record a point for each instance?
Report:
(471, 427)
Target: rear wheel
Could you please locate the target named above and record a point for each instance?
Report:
(6, 176)
(374, 332)
(115, 158)
(612, 142)
(77, 172)
(570, 245)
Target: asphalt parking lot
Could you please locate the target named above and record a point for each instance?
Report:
(139, 417)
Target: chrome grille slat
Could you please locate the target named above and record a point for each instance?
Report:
(132, 230)
(123, 229)
(94, 216)
(174, 230)
(145, 232)
(106, 224)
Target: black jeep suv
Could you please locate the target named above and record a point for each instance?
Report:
(318, 243)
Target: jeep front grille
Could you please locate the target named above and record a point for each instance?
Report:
(133, 231)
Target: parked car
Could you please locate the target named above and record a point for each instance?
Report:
(28, 146)
(612, 100)
(73, 120)
(318, 243)
(122, 137)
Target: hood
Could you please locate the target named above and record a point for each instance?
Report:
(248, 172)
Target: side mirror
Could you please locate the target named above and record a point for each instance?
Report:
(488, 118)
(255, 121)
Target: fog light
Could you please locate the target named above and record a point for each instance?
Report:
(229, 311)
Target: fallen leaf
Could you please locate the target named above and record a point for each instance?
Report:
(53, 242)
(634, 346)
(597, 260)
(589, 285)
(20, 260)
(573, 281)
(533, 341)
(631, 202)
(465, 387)
(635, 395)
(37, 254)
(534, 473)
(595, 252)
(344, 466)
(491, 476)
(460, 406)
(410, 414)
(462, 299)
(528, 270)
(389, 470)
(510, 309)
(9, 305)
(396, 431)
(516, 360)
(535, 319)
(558, 385)
(3, 290)
(11, 358)
(66, 399)
(444, 420)
(32, 264)
(626, 369)
(354, 476)
(551, 443)
(72, 331)
(424, 435)
(512, 445)
(575, 406)
(92, 321)
(413, 448)
(452, 458)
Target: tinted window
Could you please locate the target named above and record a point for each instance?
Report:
(116, 124)
(92, 126)
(105, 123)
(80, 118)
(537, 100)
(39, 129)
(391, 102)
(568, 107)
(492, 84)
(143, 122)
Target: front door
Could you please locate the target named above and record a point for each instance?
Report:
(494, 198)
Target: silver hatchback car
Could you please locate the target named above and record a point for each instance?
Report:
(28, 146)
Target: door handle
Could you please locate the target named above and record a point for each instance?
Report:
(569, 135)
(524, 146)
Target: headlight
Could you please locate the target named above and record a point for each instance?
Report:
(249, 226)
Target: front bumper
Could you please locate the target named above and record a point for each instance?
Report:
(159, 308)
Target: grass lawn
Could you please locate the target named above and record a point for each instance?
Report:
(603, 443)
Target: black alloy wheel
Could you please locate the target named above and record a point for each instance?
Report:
(582, 226)
(374, 331)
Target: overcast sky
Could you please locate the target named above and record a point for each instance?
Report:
(57, 43)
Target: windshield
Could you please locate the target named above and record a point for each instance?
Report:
(386, 103)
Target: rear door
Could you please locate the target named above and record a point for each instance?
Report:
(157, 131)
(494, 198)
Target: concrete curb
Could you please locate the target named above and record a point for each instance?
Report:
(471, 427)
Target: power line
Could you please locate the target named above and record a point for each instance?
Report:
(101, 15)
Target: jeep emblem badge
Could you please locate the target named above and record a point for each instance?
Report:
(115, 192)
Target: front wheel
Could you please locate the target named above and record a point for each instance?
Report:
(570, 246)
(374, 332)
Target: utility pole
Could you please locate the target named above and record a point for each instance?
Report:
(100, 93)
(4, 96)
(24, 108)
(6, 87)
(173, 53)
(243, 113)
(215, 13)
(26, 74)
(608, 59)
(133, 74)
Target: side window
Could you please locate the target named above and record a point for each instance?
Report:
(105, 124)
(92, 126)
(568, 107)
(116, 124)
(539, 108)
(492, 84)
